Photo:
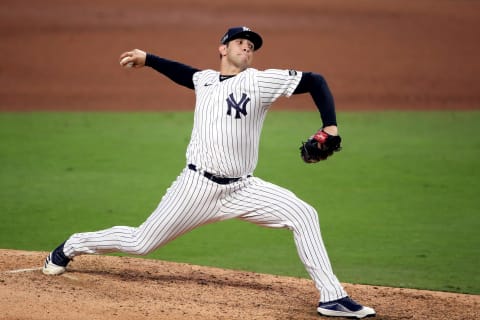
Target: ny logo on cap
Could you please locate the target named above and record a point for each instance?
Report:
(240, 107)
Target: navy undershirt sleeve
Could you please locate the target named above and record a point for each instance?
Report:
(316, 85)
(176, 71)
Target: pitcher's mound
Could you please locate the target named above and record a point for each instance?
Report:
(105, 287)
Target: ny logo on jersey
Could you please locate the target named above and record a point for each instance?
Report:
(240, 107)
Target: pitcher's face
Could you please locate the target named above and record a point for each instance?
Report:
(239, 52)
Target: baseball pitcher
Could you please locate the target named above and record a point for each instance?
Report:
(218, 180)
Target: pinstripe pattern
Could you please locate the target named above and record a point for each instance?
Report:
(225, 145)
(269, 205)
(228, 120)
(193, 200)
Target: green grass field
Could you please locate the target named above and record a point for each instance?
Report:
(399, 206)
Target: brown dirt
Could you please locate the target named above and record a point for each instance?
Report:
(105, 287)
(396, 54)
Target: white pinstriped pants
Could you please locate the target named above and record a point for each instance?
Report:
(193, 200)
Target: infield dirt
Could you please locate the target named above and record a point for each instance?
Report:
(106, 287)
(64, 55)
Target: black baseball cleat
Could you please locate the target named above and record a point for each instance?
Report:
(344, 307)
(56, 262)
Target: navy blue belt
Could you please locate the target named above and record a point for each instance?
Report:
(214, 178)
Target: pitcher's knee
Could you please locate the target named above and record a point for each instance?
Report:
(307, 216)
(144, 243)
(140, 243)
(141, 248)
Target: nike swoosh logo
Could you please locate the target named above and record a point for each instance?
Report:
(207, 84)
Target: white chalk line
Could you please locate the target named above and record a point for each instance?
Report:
(23, 270)
(38, 269)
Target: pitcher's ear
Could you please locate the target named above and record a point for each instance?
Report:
(222, 49)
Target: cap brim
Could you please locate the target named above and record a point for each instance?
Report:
(249, 35)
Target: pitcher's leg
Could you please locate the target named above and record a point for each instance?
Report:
(272, 206)
(182, 208)
(116, 239)
(312, 252)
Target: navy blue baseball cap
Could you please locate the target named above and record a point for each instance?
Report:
(244, 33)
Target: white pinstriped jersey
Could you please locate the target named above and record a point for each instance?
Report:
(229, 116)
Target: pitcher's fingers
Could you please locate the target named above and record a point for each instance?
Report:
(126, 54)
(126, 61)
